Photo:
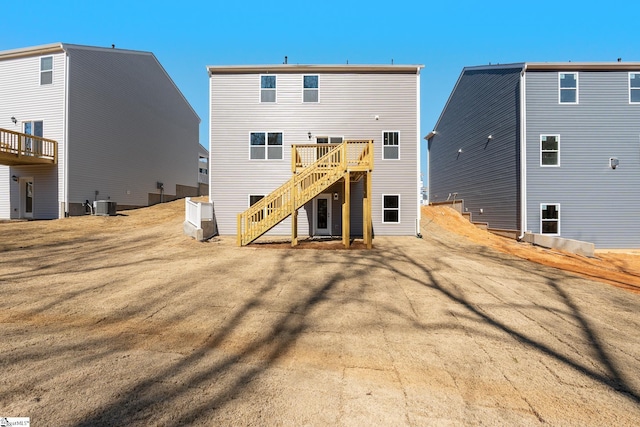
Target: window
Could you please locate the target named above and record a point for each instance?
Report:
(266, 145)
(568, 83)
(390, 145)
(549, 150)
(391, 208)
(46, 70)
(267, 88)
(259, 215)
(253, 199)
(321, 151)
(550, 218)
(34, 128)
(634, 88)
(310, 89)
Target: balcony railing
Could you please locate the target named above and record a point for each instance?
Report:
(23, 149)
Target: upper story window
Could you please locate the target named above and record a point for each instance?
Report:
(391, 145)
(568, 86)
(550, 218)
(634, 88)
(310, 89)
(46, 70)
(549, 150)
(267, 88)
(266, 146)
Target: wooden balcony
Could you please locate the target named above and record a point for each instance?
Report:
(22, 149)
(315, 168)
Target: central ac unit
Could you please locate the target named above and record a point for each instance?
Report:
(105, 207)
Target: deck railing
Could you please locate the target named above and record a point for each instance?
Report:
(316, 171)
(21, 148)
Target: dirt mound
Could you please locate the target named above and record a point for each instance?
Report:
(619, 269)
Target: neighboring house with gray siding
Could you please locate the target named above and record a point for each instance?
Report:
(549, 148)
(258, 112)
(124, 131)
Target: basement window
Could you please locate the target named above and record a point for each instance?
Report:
(550, 218)
(391, 208)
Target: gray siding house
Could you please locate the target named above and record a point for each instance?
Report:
(124, 131)
(259, 112)
(546, 148)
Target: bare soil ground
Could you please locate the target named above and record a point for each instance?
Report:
(124, 321)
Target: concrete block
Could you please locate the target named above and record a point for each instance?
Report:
(555, 242)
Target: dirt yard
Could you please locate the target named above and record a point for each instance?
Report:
(125, 321)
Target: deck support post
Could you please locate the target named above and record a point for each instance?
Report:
(367, 231)
(346, 211)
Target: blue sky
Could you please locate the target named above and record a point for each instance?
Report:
(444, 36)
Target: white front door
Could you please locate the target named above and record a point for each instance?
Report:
(26, 197)
(322, 215)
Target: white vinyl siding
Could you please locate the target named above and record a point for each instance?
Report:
(129, 128)
(349, 103)
(20, 82)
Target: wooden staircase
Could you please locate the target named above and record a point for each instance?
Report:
(23, 149)
(315, 168)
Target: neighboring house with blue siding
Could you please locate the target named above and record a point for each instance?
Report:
(548, 148)
(123, 131)
(262, 115)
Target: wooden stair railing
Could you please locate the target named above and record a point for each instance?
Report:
(313, 178)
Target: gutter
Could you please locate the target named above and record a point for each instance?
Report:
(523, 152)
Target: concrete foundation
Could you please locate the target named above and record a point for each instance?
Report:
(554, 242)
(206, 231)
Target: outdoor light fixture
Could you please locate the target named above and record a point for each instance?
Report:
(14, 120)
(309, 135)
(14, 178)
(613, 162)
(490, 137)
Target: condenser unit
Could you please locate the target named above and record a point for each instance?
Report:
(104, 207)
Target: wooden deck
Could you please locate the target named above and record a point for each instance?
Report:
(22, 149)
(315, 168)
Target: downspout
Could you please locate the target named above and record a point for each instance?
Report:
(65, 137)
(418, 169)
(523, 153)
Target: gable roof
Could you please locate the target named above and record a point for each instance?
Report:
(540, 66)
(65, 47)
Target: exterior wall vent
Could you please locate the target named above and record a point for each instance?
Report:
(105, 207)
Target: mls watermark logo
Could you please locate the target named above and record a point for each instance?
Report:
(14, 421)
